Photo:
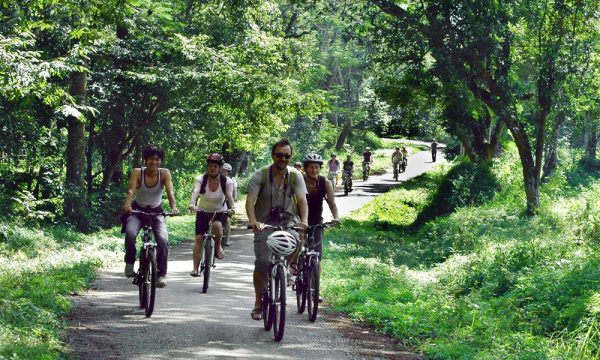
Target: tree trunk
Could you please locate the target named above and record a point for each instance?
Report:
(89, 154)
(346, 130)
(551, 156)
(591, 139)
(75, 157)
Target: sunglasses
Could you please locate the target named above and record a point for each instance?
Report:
(282, 155)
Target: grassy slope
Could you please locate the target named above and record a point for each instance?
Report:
(486, 282)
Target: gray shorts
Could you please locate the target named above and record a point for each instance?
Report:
(262, 251)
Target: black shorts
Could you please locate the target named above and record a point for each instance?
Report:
(202, 219)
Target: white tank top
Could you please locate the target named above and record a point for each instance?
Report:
(212, 201)
(149, 196)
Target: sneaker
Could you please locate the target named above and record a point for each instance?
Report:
(129, 270)
(225, 241)
(161, 283)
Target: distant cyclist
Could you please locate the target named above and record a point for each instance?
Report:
(216, 197)
(147, 185)
(226, 171)
(405, 155)
(367, 160)
(397, 157)
(333, 170)
(298, 166)
(348, 169)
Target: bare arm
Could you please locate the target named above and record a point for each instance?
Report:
(229, 198)
(250, 200)
(302, 209)
(195, 192)
(331, 202)
(169, 188)
(134, 178)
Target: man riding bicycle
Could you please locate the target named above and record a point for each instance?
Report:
(348, 169)
(276, 195)
(397, 157)
(226, 171)
(367, 160)
(146, 184)
(216, 197)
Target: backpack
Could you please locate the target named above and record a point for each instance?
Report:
(205, 181)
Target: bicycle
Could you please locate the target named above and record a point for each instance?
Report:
(207, 258)
(366, 167)
(307, 284)
(396, 166)
(274, 296)
(403, 164)
(347, 181)
(146, 277)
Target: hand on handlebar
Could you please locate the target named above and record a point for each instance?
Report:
(256, 226)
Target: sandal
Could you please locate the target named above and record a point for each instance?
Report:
(256, 314)
(194, 273)
(220, 255)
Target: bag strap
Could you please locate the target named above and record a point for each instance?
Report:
(222, 179)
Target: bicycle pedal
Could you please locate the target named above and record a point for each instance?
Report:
(135, 281)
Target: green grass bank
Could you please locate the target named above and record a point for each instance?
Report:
(484, 281)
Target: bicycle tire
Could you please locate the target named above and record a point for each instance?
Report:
(151, 283)
(208, 253)
(279, 304)
(266, 306)
(300, 287)
(140, 279)
(312, 288)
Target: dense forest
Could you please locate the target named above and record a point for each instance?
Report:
(85, 85)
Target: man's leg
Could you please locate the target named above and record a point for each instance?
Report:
(162, 241)
(134, 224)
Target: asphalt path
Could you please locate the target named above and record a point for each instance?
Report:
(186, 324)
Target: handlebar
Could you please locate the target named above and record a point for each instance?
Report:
(153, 214)
(278, 227)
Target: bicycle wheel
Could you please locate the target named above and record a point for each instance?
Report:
(150, 282)
(312, 288)
(279, 304)
(140, 279)
(266, 306)
(300, 287)
(208, 254)
(395, 172)
(346, 187)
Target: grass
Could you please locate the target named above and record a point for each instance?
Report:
(484, 282)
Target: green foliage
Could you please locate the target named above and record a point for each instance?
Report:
(485, 281)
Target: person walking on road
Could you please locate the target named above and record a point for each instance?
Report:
(434, 146)
(216, 203)
(146, 184)
(276, 195)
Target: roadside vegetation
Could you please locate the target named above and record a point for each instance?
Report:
(485, 281)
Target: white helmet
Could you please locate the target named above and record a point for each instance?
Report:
(282, 242)
(227, 167)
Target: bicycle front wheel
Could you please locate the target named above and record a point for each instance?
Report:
(150, 283)
(312, 288)
(209, 252)
(266, 306)
(279, 303)
(300, 288)
(141, 278)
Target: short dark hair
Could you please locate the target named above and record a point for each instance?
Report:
(152, 150)
(282, 142)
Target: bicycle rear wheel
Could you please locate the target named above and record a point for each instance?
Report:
(300, 287)
(279, 304)
(208, 254)
(150, 283)
(312, 288)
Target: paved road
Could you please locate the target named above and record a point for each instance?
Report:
(187, 324)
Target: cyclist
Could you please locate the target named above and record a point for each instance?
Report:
(216, 196)
(333, 168)
(397, 157)
(226, 171)
(348, 167)
(405, 155)
(147, 184)
(433, 146)
(367, 160)
(276, 195)
(298, 166)
(318, 190)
